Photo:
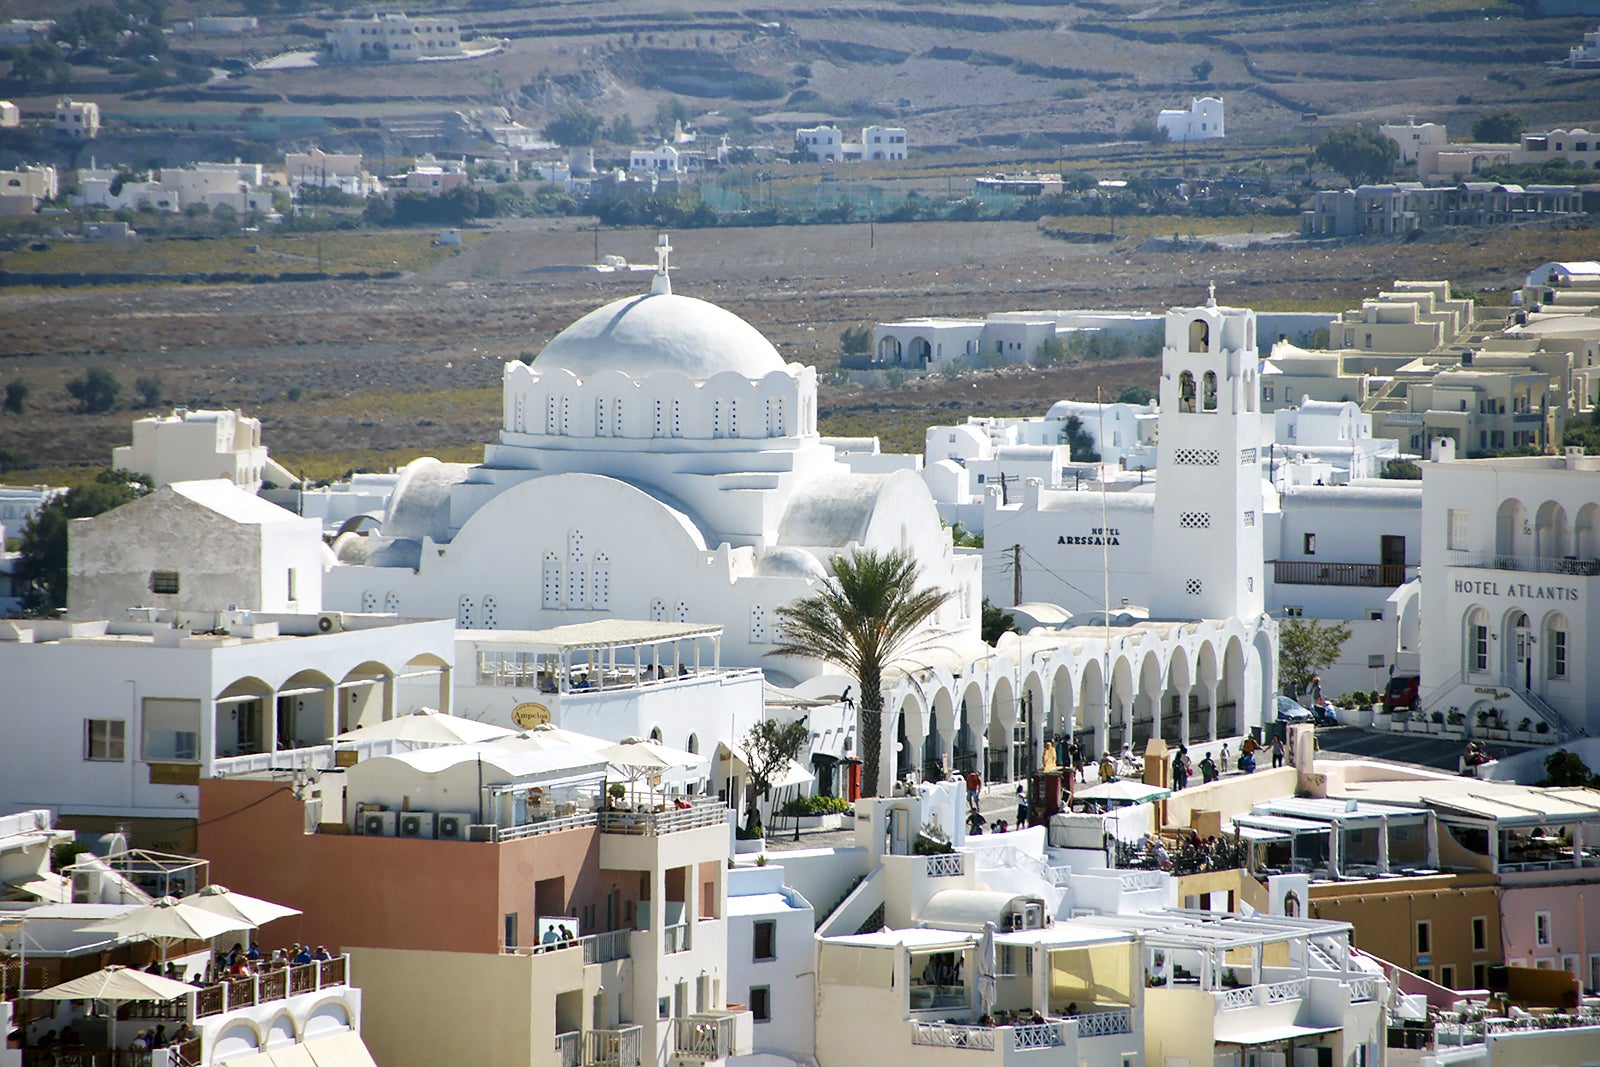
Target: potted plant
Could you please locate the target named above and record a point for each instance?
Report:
(748, 839)
(1541, 727)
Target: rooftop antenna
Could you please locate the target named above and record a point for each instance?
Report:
(662, 285)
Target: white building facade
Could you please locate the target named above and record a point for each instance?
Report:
(195, 445)
(1202, 121)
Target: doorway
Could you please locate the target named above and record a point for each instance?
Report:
(1392, 558)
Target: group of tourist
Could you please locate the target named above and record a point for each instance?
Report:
(242, 962)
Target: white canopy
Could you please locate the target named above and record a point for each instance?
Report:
(219, 900)
(1121, 791)
(427, 727)
(118, 984)
(169, 920)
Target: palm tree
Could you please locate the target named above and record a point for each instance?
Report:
(862, 619)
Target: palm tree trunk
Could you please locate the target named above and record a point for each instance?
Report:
(869, 729)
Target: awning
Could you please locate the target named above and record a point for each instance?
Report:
(339, 1050)
(1272, 1035)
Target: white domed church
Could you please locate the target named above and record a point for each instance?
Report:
(658, 460)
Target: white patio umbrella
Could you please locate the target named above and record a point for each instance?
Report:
(639, 759)
(116, 984)
(169, 920)
(1121, 791)
(428, 727)
(548, 735)
(220, 900)
(987, 986)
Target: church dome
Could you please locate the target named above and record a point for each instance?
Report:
(643, 335)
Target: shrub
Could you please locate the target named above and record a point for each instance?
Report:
(800, 806)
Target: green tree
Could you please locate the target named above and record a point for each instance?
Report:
(574, 127)
(149, 389)
(16, 397)
(996, 621)
(1499, 127)
(95, 392)
(622, 131)
(1402, 470)
(856, 340)
(1307, 646)
(1359, 154)
(768, 747)
(1565, 768)
(42, 567)
(1051, 350)
(866, 615)
(1079, 441)
(1136, 394)
(1202, 70)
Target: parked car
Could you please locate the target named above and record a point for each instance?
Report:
(1292, 711)
(1402, 692)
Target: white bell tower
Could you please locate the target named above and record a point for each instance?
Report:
(1208, 530)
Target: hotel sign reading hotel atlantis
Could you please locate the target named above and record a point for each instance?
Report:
(1518, 590)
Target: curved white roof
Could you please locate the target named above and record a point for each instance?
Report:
(641, 335)
(969, 909)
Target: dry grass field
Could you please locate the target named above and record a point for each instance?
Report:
(385, 370)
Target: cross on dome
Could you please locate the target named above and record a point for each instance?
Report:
(663, 279)
(1211, 295)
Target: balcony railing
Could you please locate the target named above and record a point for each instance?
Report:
(705, 1036)
(1535, 565)
(597, 948)
(546, 826)
(953, 1035)
(1267, 993)
(699, 814)
(677, 938)
(271, 985)
(612, 1048)
(1038, 1035)
(569, 1049)
(1360, 575)
(1105, 1023)
(946, 865)
(1362, 990)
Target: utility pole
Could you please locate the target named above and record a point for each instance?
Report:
(1016, 575)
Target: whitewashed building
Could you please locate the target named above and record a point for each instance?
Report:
(1202, 121)
(77, 119)
(1412, 136)
(394, 38)
(1513, 551)
(772, 960)
(660, 462)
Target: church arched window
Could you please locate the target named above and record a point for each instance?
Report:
(733, 416)
(1199, 336)
(577, 572)
(566, 415)
(658, 611)
(369, 601)
(490, 622)
(391, 602)
(1209, 387)
(616, 417)
(520, 423)
(758, 625)
(550, 586)
(552, 421)
(601, 426)
(716, 417)
(683, 611)
(464, 613)
(677, 418)
(660, 421)
(1186, 393)
(600, 583)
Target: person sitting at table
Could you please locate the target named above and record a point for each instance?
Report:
(182, 1034)
(70, 1038)
(303, 956)
(158, 1038)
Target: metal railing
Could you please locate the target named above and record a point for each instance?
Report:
(1532, 564)
(699, 814)
(1364, 575)
(569, 1049)
(953, 1035)
(1266, 993)
(613, 1048)
(1105, 1023)
(310, 758)
(270, 985)
(1362, 990)
(677, 938)
(1038, 1035)
(946, 865)
(705, 1036)
(546, 826)
(597, 948)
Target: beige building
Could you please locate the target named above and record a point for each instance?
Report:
(1412, 317)
(191, 445)
(78, 119)
(394, 38)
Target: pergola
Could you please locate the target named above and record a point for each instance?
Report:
(1340, 829)
(605, 654)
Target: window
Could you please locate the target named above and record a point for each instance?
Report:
(1556, 648)
(1310, 544)
(164, 582)
(1447, 975)
(663, 1007)
(171, 728)
(1425, 973)
(105, 739)
(1480, 933)
(1424, 937)
(1478, 641)
(766, 940)
(1480, 976)
(1456, 537)
(511, 929)
(761, 1003)
(294, 593)
(1541, 929)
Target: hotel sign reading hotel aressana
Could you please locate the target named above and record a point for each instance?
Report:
(1108, 535)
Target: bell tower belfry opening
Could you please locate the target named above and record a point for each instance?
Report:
(1208, 527)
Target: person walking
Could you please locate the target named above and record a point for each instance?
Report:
(1022, 807)
(1277, 752)
(1180, 768)
(974, 789)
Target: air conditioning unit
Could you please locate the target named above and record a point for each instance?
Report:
(416, 824)
(330, 622)
(376, 823)
(452, 825)
(481, 831)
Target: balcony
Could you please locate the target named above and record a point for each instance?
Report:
(1586, 568)
(569, 1049)
(946, 865)
(1357, 575)
(597, 948)
(613, 1048)
(1105, 1023)
(1266, 993)
(713, 1035)
(269, 986)
(668, 820)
